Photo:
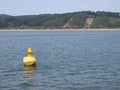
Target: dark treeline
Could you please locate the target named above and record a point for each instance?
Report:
(84, 19)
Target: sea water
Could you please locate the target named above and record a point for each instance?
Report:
(66, 60)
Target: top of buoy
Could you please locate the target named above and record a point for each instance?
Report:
(29, 49)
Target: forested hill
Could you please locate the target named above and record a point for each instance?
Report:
(75, 20)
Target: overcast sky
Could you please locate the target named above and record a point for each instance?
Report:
(31, 7)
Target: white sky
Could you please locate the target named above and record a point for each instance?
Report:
(31, 7)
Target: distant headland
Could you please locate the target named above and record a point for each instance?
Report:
(75, 20)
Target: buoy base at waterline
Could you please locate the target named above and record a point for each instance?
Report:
(29, 61)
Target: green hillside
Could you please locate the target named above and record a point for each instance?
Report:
(75, 20)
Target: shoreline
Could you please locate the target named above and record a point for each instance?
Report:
(60, 29)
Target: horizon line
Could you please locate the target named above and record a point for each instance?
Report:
(61, 12)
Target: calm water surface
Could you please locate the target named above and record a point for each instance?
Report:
(74, 60)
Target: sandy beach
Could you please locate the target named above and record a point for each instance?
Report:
(59, 29)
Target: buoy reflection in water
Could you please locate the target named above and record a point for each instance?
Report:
(29, 77)
(29, 72)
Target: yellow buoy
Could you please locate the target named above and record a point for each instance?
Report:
(29, 60)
